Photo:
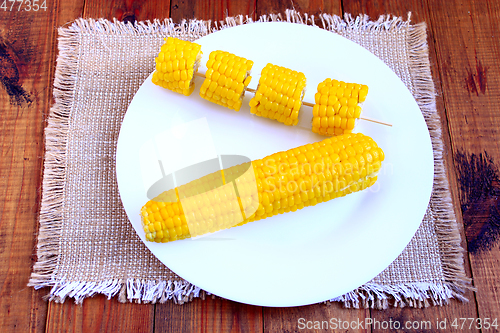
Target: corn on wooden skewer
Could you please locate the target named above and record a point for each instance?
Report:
(282, 182)
(278, 95)
(311, 104)
(226, 79)
(336, 108)
(176, 64)
(361, 117)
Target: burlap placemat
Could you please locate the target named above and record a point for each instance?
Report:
(86, 244)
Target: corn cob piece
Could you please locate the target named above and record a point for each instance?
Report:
(226, 78)
(277, 184)
(337, 107)
(176, 64)
(279, 94)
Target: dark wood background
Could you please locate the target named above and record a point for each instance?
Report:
(464, 46)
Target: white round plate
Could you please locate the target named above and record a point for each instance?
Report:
(299, 258)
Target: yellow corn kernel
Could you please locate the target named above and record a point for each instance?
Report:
(283, 90)
(338, 102)
(176, 64)
(277, 184)
(231, 74)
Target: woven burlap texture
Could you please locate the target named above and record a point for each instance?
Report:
(86, 244)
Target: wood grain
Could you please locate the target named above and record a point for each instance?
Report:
(127, 10)
(26, 53)
(100, 315)
(467, 51)
(467, 54)
(209, 315)
(464, 51)
(61, 15)
(211, 10)
(320, 317)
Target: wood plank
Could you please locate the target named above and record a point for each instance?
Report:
(209, 315)
(26, 58)
(467, 53)
(211, 10)
(64, 13)
(127, 10)
(68, 11)
(287, 319)
(471, 93)
(212, 315)
(98, 314)
(420, 12)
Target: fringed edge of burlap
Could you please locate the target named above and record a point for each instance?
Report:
(415, 295)
(130, 290)
(370, 295)
(54, 176)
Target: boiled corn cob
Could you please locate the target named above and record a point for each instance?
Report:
(176, 64)
(279, 183)
(336, 108)
(279, 94)
(226, 78)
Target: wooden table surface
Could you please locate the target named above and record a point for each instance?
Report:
(464, 42)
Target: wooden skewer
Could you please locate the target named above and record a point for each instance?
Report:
(199, 74)
(307, 104)
(310, 104)
(376, 121)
